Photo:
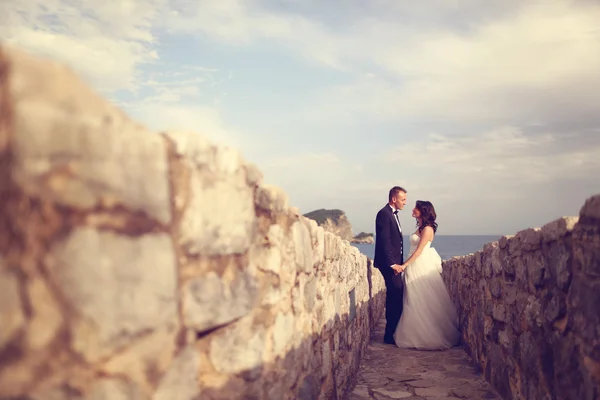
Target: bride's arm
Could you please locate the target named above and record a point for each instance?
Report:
(426, 236)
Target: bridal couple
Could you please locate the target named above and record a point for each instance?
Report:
(418, 310)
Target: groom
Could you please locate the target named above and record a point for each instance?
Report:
(389, 256)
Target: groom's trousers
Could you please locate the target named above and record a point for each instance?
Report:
(393, 303)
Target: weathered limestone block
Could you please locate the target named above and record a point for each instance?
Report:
(495, 259)
(508, 265)
(329, 310)
(556, 307)
(310, 293)
(344, 270)
(12, 318)
(211, 300)
(338, 298)
(536, 269)
(72, 147)
(558, 229)
(272, 294)
(586, 249)
(298, 298)
(591, 208)
(499, 312)
(151, 352)
(530, 239)
(558, 259)
(318, 243)
(336, 269)
(289, 268)
(514, 246)
(181, 380)
(303, 333)
(271, 199)
(240, 347)
(303, 245)
(268, 257)
(333, 244)
(116, 389)
(496, 287)
(478, 263)
(533, 313)
(503, 242)
(283, 332)
(220, 217)
(138, 281)
(521, 276)
(510, 294)
(46, 317)
(103, 389)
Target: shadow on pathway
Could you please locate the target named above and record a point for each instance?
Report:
(387, 372)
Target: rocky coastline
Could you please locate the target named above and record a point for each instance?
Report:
(363, 238)
(336, 222)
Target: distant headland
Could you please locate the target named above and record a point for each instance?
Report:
(364, 238)
(335, 221)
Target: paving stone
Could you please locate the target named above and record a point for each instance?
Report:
(375, 379)
(357, 397)
(393, 394)
(392, 373)
(422, 383)
(432, 391)
(442, 398)
(361, 390)
(399, 376)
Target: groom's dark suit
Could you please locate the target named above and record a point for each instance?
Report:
(389, 251)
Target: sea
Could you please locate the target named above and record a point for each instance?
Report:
(446, 245)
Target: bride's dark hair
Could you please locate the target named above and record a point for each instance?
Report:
(428, 215)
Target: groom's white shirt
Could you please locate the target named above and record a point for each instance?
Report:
(397, 223)
(397, 219)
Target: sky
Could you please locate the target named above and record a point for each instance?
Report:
(488, 109)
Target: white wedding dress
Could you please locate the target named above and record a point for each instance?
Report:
(429, 319)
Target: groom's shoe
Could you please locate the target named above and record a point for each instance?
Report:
(389, 340)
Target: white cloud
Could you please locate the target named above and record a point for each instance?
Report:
(515, 65)
(314, 179)
(108, 43)
(205, 120)
(538, 58)
(242, 22)
(501, 159)
(306, 169)
(539, 61)
(182, 84)
(105, 42)
(539, 44)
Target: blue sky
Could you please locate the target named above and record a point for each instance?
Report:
(491, 110)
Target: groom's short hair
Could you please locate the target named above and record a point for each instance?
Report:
(394, 192)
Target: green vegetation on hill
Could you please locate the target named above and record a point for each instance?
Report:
(321, 215)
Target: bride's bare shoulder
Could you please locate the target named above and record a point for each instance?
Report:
(428, 233)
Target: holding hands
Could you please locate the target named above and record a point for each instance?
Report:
(398, 268)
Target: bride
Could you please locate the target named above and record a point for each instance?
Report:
(429, 319)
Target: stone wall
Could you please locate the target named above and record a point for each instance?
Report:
(139, 265)
(530, 308)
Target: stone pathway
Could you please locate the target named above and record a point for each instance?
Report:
(387, 372)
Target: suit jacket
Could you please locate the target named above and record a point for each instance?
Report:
(388, 239)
